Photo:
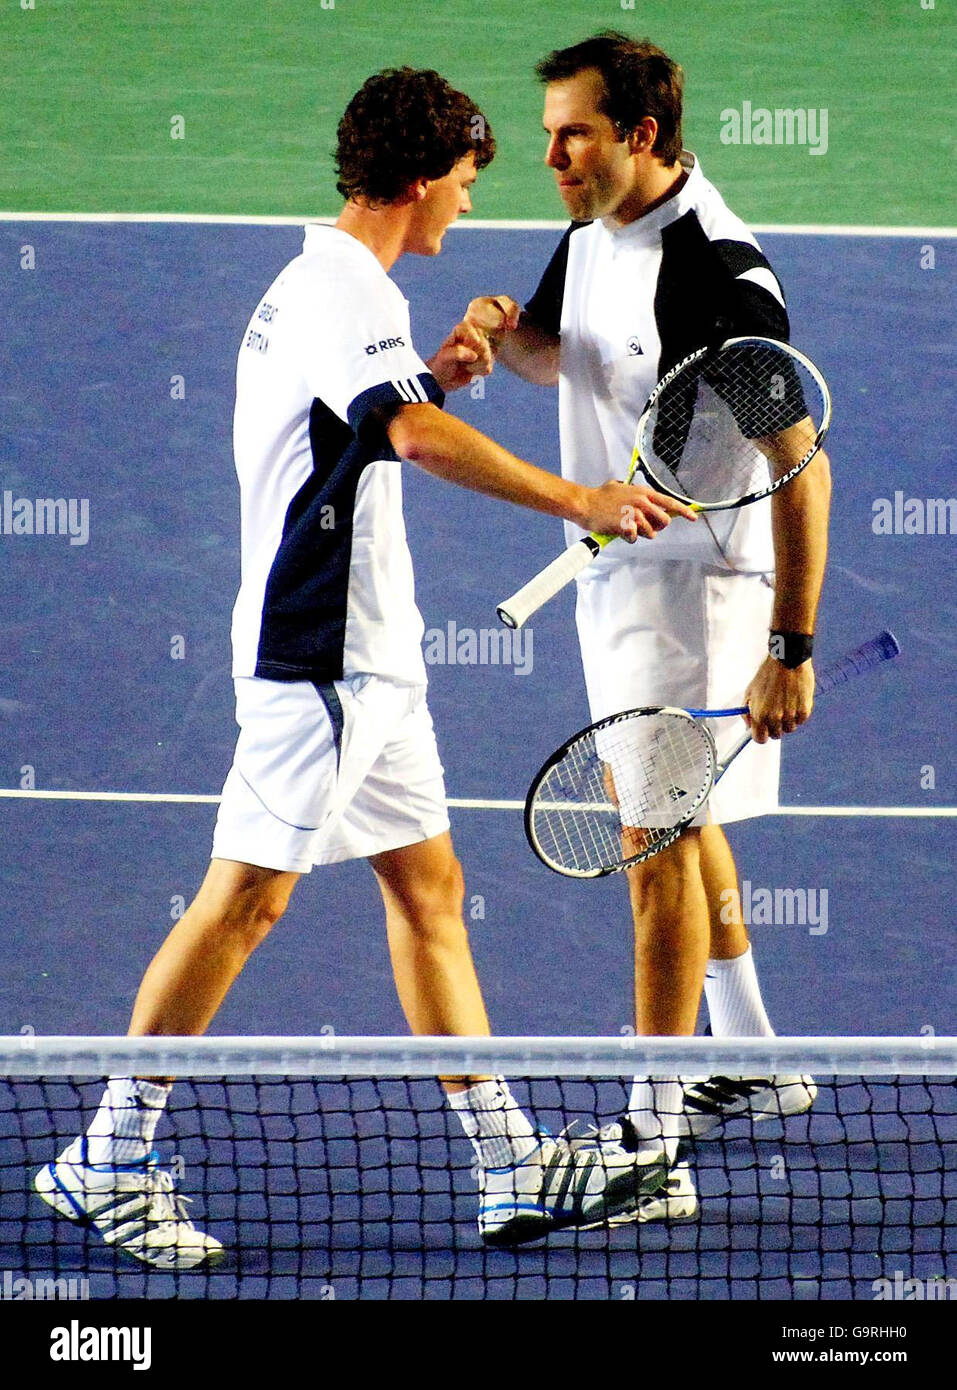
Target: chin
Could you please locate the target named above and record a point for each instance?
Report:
(578, 209)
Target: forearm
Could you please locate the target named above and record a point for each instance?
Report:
(799, 519)
(529, 352)
(450, 449)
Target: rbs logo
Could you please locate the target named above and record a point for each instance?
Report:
(384, 345)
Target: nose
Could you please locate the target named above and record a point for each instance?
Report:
(555, 156)
(466, 202)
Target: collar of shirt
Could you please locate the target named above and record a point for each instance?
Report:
(315, 233)
(648, 227)
(316, 238)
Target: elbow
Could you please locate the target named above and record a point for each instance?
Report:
(812, 486)
(549, 369)
(541, 373)
(532, 353)
(822, 477)
(407, 431)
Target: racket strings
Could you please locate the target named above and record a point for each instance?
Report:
(700, 433)
(621, 790)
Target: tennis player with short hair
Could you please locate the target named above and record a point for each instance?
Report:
(654, 266)
(336, 757)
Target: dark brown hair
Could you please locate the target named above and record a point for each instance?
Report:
(639, 79)
(405, 124)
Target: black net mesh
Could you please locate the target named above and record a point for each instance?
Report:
(362, 1188)
(699, 437)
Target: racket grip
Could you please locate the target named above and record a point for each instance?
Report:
(515, 611)
(883, 647)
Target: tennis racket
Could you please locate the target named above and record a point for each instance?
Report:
(625, 788)
(725, 427)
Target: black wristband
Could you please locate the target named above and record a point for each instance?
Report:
(791, 648)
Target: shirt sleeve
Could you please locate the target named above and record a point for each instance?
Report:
(752, 301)
(752, 304)
(357, 352)
(545, 306)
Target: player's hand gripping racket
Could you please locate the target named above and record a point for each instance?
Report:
(625, 788)
(725, 427)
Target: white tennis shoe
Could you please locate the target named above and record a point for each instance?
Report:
(135, 1208)
(709, 1102)
(559, 1185)
(674, 1199)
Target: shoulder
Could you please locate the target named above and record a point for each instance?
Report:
(717, 220)
(724, 238)
(335, 266)
(580, 233)
(545, 305)
(584, 235)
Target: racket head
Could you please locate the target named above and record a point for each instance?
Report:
(620, 791)
(700, 433)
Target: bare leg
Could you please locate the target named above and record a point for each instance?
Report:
(191, 973)
(422, 889)
(720, 877)
(194, 968)
(671, 938)
(734, 992)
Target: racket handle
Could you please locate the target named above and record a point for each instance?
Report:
(515, 611)
(883, 647)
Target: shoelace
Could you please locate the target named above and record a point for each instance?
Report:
(166, 1204)
(620, 1131)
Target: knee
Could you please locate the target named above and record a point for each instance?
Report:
(667, 874)
(429, 902)
(253, 914)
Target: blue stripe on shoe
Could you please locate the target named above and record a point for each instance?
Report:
(511, 1206)
(81, 1215)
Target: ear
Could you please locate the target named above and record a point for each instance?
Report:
(413, 193)
(641, 140)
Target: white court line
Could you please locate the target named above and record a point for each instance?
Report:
(199, 217)
(459, 803)
(478, 224)
(15, 793)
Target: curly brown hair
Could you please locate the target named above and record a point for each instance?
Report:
(405, 124)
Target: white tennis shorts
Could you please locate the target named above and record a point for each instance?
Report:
(673, 632)
(326, 773)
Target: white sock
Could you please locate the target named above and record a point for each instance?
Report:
(654, 1108)
(123, 1127)
(499, 1129)
(734, 999)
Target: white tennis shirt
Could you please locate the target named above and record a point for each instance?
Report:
(327, 585)
(629, 303)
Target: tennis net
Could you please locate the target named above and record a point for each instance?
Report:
(334, 1168)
